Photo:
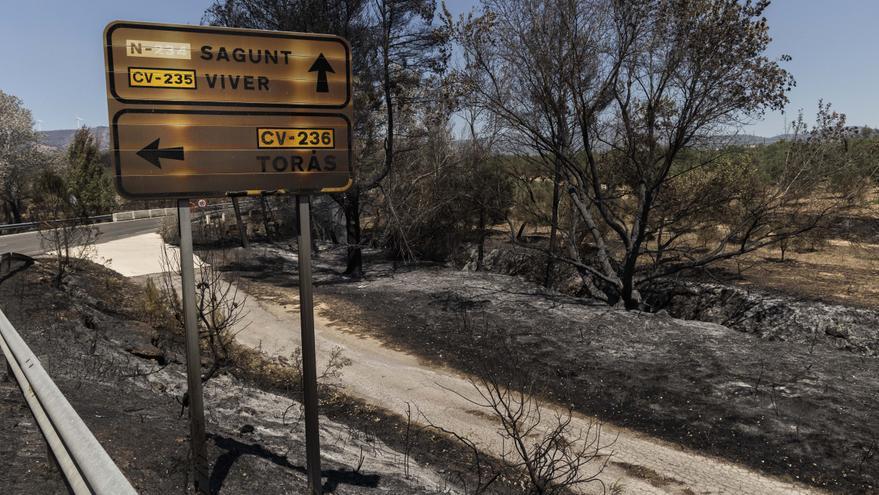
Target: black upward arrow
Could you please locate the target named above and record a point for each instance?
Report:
(321, 66)
(153, 154)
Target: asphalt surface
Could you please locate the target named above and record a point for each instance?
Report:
(29, 243)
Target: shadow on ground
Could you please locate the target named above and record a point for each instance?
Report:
(234, 449)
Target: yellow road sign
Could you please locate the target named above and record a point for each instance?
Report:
(161, 78)
(296, 138)
(201, 111)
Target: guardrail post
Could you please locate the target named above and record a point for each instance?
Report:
(193, 353)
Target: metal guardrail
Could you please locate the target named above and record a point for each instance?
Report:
(84, 462)
(121, 216)
(163, 212)
(138, 214)
(11, 227)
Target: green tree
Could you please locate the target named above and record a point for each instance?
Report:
(18, 141)
(69, 189)
(64, 232)
(87, 182)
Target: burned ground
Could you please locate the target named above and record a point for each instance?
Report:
(797, 410)
(72, 338)
(124, 378)
(770, 316)
(783, 407)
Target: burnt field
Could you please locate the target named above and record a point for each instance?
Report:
(791, 409)
(124, 376)
(802, 410)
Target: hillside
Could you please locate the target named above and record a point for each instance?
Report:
(61, 138)
(125, 378)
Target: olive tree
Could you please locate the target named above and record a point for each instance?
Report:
(87, 180)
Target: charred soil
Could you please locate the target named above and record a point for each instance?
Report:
(805, 411)
(122, 373)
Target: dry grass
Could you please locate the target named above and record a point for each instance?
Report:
(841, 272)
(843, 268)
(275, 374)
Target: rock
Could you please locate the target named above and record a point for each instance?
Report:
(770, 316)
(148, 352)
(837, 331)
(12, 263)
(131, 334)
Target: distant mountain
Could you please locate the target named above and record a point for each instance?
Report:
(61, 138)
(722, 141)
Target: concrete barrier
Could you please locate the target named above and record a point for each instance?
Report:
(123, 215)
(138, 214)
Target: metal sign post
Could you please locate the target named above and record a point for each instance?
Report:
(309, 361)
(201, 111)
(193, 353)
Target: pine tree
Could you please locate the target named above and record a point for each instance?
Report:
(89, 187)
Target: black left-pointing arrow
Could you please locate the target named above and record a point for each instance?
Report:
(153, 154)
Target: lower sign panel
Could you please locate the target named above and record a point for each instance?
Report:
(192, 153)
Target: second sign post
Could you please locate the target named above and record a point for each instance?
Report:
(200, 111)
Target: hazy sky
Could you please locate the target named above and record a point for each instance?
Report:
(53, 59)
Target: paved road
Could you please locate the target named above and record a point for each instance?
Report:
(29, 242)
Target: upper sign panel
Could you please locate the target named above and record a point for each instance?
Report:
(207, 66)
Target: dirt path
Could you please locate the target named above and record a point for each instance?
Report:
(389, 378)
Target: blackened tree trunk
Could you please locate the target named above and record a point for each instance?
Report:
(480, 250)
(242, 229)
(351, 208)
(554, 223)
(315, 248)
(15, 207)
(265, 216)
(13, 211)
